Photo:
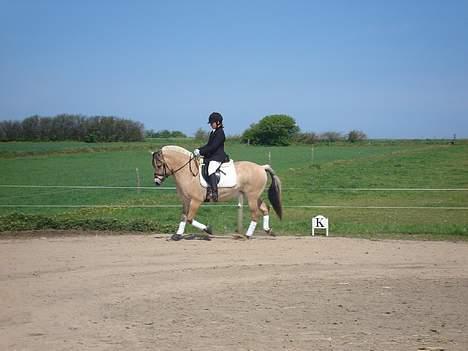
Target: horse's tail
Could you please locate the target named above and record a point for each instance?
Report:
(274, 192)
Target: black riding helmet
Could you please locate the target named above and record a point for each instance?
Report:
(215, 117)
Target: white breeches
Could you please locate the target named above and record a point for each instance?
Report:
(213, 166)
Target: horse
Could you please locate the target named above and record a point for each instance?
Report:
(252, 179)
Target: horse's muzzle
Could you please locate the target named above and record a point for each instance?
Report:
(158, 180)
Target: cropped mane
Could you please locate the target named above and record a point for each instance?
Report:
(177, 149)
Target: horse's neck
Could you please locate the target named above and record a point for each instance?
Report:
(183, 174)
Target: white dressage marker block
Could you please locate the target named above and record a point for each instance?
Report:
(319, 222)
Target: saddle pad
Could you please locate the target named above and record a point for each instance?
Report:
(228, 176)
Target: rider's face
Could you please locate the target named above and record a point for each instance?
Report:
(213, 125)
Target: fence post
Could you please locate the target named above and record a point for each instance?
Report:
(138, 180)
(240, 215)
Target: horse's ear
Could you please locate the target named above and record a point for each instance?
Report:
(151, 152)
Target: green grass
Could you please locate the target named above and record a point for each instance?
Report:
(310, 176)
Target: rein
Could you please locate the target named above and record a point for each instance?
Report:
(189, 162)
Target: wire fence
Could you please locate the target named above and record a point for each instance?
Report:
(167, 188)
(232, 205)
(173, 188)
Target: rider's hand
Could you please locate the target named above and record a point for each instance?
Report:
(196, 152)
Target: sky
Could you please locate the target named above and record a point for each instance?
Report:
(393, 69)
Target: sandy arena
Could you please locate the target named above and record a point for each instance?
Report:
(136, 292)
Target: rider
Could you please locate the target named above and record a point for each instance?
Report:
(214, 154)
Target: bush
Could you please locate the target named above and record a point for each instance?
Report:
(356, 135)
(21, 222)
(276, 130)
(90, 138)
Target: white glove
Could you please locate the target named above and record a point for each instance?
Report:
(196, 152)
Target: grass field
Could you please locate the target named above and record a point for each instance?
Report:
(319, 176)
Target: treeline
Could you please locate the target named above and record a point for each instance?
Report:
(164, 134)
(282, 130)
(72, 127)
(330, 137)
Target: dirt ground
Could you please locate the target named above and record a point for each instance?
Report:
(135, 292)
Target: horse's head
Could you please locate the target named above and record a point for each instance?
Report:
(170, 160)
(161, 170)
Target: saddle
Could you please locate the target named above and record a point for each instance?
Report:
(226, 175)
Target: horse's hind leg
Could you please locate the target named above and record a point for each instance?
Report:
(258, 206)
(254, 213)
(265, 210)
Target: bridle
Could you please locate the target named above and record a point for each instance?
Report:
(158, 157)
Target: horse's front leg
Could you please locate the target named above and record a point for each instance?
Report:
(189, 216)
(194, 206)
(183, 219)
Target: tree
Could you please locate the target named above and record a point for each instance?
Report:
(3, 133)
(307, 138)
(164, 134)
(31, 128)
(11, 130)
(272, 130)
(331, 136)
(72, 127)
(356, 135)
(201, 134)
(177, 134)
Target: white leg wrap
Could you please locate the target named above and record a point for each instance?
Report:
(181, 229)
(251, 229)
(266, 223)
(198, 225)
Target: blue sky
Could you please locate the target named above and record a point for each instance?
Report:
(394, 69)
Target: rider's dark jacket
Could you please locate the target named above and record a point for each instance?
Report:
(214, 149)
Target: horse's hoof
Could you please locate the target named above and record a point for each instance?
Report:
(205, 237)
(177, 237)
(239, 237)
(270, 232)
(196, 237)
(242, 237)
(208, 230)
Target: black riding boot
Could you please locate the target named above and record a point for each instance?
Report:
(214, 187)
(209, 194)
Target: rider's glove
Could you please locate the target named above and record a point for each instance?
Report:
(196, 152)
